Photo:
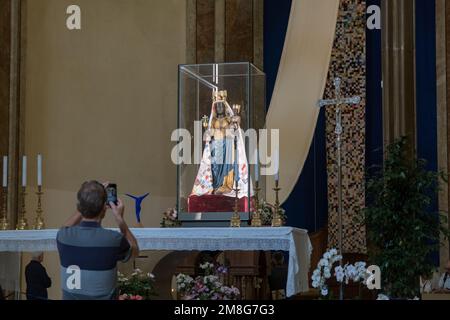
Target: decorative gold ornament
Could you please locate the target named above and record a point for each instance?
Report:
(219, 95)
(22, 223)
(4, 223)
(256, 216)
(235, 221)
(236, 109)
(39, 223)
(276, 218)
(205, 122)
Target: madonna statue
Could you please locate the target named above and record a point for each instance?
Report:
(221, 167)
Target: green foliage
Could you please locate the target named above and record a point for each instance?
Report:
(401, 231)
(267, 211)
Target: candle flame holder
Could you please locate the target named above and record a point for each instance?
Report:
(39, 223)
(235, 221)
(256, 216)
(22, 223)
(276, 218)
(4, 223)
(205, 122)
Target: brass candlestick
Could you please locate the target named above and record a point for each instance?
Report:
(256, 216)
(4, 223)
(22, 224)
(205, 122)
(276, 218)
(236, 218)
(39, 223)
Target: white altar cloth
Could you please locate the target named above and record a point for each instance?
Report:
(295, 241)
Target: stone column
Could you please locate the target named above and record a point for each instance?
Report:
(225, 31)
(10, 127)
(398, 70)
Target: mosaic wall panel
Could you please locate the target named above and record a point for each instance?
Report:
(348, 63)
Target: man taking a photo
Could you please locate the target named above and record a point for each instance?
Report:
(88, 252)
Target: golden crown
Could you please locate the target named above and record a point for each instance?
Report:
(219, 95)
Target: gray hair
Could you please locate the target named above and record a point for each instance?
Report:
(36, 255)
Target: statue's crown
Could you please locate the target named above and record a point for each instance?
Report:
(219, 95)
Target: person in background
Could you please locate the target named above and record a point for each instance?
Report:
(278, 276)
(37, 278)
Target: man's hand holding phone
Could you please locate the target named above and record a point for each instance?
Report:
(117, 210)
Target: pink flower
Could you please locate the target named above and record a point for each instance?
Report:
(199, 285)
(123, 297)
(138, 297)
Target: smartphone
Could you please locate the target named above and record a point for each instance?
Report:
(111, 193)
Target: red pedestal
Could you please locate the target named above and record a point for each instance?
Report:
(216, 203)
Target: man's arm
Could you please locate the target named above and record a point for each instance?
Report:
(130, 237)
(73, 220)
(118, 215)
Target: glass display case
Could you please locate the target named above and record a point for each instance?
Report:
(221, 107)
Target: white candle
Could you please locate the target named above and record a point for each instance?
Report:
(24, 171)
(5, 171)
(277, 165)
(256, 165)
(39, 170)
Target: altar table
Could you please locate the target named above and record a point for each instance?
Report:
(293, 240)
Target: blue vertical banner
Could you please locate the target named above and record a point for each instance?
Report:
(276, 20)
(426, 91)
(426, 87)
(374, 92)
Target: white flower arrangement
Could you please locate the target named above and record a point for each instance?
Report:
(206, 265)
(382, 297)
(137, 286)
(323, 270)
(349, 272)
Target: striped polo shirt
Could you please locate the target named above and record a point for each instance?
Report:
(89, 256)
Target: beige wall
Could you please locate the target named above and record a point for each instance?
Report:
(100, 103)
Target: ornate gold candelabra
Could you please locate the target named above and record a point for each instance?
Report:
(4, 223)
(22, 223)
(205, 122)
(236, 218)
(276, 218)
(235, 221)
(256, 217)
(39, 223)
